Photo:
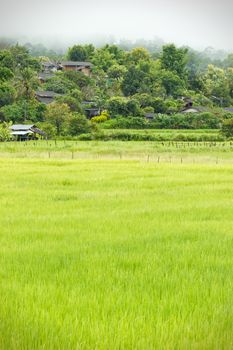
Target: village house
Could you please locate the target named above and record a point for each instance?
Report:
(192, 109)
(44, 76)
(46, 97)
(21, 132)
(149, 116)
(229, 109)
(84, 67)
(90, 109)
(189, 108)
(48, 70)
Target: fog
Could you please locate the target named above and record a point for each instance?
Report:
(198, 23)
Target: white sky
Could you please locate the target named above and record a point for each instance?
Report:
(197, 23)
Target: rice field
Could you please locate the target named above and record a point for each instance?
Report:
(115, 254)
(152, 151)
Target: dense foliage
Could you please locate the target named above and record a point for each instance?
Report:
(127, 84)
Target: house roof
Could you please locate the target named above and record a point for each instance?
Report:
(48, 94)
(24, 129)
(149, 115)
(229, 109)
(21, 127)
(46, 97)
(48, 64)
(76, 64)
(44, 75)
(194, 109)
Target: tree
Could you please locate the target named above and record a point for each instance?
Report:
(22, 59)
(117, 106)
(229, 75)
(116, 71)
(216, 85)
(60, 84)
(12, 112)
(172, 83)
(78, 78)
(22, 110)
(174, 59)
(78, 124)
(123, 106)
(80, 52)
(138, 54)
(58, 114)
(5, 74)
(7, 94)
(133, 81)
(133, 108)
(228, 62)
(117, 53)
(26, 82)
(73, 100)
(5, 134)
(103, 59)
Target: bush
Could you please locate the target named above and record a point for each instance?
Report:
(118, 105)
(126, 123)
(5, 134)
(78, 125)
(134, 136)
(186, 121)
(49, 129)
(164, 121)
(85, 137)
(227, 128)
(103, 117)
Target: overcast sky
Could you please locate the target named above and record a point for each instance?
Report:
(197, 23)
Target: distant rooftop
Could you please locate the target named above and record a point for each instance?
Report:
(49, 94)
(22, 127)
(76, 64)
(196, 109)
(45, 75)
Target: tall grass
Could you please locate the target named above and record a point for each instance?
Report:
(115, 255)
(167, 151)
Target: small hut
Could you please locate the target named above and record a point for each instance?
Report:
(21, 132)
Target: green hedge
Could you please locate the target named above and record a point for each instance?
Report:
(162, 121)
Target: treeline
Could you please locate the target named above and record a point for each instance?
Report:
(123, 85)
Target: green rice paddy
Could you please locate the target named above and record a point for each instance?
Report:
(115, 253)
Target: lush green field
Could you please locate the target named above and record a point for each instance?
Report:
(115, 254)
(171, 134)
(164, 152)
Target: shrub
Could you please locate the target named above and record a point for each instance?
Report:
(103, 117)
(126, 123)
(5, 134)
(227, 127)
(85, 137)
(78, 125)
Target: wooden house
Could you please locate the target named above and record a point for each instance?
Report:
(21, 132)
(229, 109)
(84, 67)
(48, 70)
(46, 97)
